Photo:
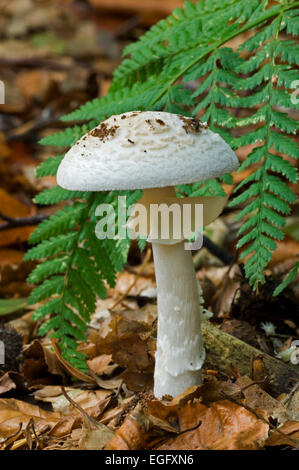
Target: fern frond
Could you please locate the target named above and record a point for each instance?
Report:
(119, 101)
(49, 167)
(46, 269)
(181, 32)
(288, 279)
(58, 194)
(63, 221)
(268, 193)
(50, 287)
(59, 244)
(69, 136)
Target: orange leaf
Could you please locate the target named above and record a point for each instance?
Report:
(222, 426)
(12, 207)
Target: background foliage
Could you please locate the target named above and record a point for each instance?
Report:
(184, 64)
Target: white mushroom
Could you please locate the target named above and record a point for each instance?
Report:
(156, 151)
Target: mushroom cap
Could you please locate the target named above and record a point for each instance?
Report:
(145, 149)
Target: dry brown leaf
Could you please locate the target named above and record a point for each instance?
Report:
(214, 390)
(102, 364)
(291, 429)
(112, 415)
(126, 279)
(68, 367)
(256, 397)
(289, 410)
(93, 402)
(132, 435)
(147, 314)
(109, 384)
(95, 439)
(285, 250)
(228, 292)
(34, 84)
(13, 269)
(222, 426)
(13, 412)
(40, 364)
(5, 150)
(12, 207)
(10, 257)
(65, 425)
(131, 345)
(214, 274)
(10, 381)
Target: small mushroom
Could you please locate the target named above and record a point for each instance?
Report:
(126, 152)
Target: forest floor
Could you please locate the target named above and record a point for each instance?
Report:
(54, 56)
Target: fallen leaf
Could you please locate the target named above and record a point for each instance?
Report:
(132, 347)
(40, 364)
(12, 207)
(222, 426)
(289, 410)
(13, 273)
(125, 280)
(68, 367)
(256, 397)
(95, 439)
(228, 292)
(102, 364)
(290, 429)
(13, 412)
(11, 257)
(285, 250)
(34, 84)
(93, 402)
(11, 380)
(11, 305)
(132, 435)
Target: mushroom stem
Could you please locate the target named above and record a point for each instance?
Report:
(180, 353)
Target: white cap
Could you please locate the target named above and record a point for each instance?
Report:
(145, 149)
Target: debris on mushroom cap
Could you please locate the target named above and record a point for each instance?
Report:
(103, 131)
(192, 124)
(149, 149)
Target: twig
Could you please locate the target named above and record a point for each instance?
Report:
(127, 26)
(88, 419)
(192, 429)
(40, 63)
(22, 442)
(8, 440)
(217, 251)
(21, 221)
